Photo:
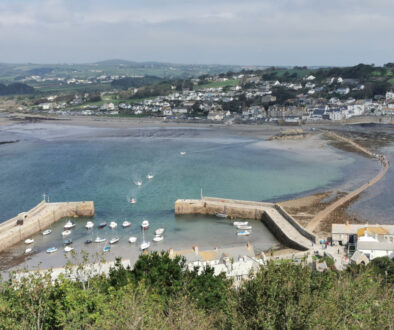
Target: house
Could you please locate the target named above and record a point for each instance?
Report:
(310, 78)
(345, 233)
(390, 95)
(342, 90)
(359, 258)
(216, 115)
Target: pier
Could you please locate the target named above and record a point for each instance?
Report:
(286, 229)
(26, 224)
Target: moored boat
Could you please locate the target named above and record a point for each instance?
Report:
(240, 223)
(159, 231)
(244, 227)
(102, 224)
(28, 250)
(132, 239)
(68, 241)
(46, 232)
(144, 246)
(68, 249)
(113, 225)
(243, 233)
(149, 176)
(221, 215)
(138, 183)
(182, 153)
(106, 248)
(69, 225)
(89, 225)
(145, 224)
(88, 241)
(29, 241)
(126, 224)
(158, 238)
(51, 250)
(133, 201)
(66, 232)
(99, 240)
(114, 240)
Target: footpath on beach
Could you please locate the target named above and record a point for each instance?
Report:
(319, 217)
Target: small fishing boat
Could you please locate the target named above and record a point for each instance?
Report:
(126, 224)
(182, 153)
(243, 233)
(149, 176)
(159, 231)
(88, 241)
(69, 225)
(240, 223)
(68, 249)
(138, 183)
(244, 227)
(89, 225)
(68, 241)
(99, 240)
(66, 232)
(145, 224)
(132, 239)
(29, 241)
(144, 246)
(158, 238)
(106, 248)
(102, 224)
(113, 225)
(114, 240)
(133, 201)
(28, 250)
(46, 232)
(221, 215)
(51, 250)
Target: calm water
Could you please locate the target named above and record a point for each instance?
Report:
(102, 165)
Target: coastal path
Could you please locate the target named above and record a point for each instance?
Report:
(315, 222)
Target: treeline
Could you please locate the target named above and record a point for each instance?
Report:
(160, 293)
(131, 82)
(16, 88)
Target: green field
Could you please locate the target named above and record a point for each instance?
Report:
(215, 84)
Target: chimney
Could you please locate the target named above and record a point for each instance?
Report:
(171, 252)
(195, 248)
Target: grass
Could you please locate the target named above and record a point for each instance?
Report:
(216, 84)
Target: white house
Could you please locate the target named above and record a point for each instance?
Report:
(310, 78)
(390, 95)
(374, 242)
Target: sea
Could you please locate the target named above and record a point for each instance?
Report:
(76, 163)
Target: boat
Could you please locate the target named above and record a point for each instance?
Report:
(144, 245)
(159, 231)
(106, 248)
(68, 249)
(88, 241)
(133, 201)
(114, 240)
(244, 227)
(158, 238)
(240, 223)
(46, 232)
(113, 225)
(51, 250)
(68, 241)
(243, 233)
(102, 224)
(69, 225)
(145, 224)
(28, 250)
(66, 232)
(138, 183)
(149, 176)
(221, 215)
(29, 241)
(132, 239)
(182, 153)
(89, 225)
(99, 240)
(126, 224)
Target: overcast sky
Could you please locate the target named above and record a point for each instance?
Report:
(260, 32)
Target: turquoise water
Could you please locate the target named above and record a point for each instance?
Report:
(72, 164)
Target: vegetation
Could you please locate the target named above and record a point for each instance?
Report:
(160, 293)
(16, 88)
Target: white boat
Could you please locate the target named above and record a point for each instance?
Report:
(69, 225)
(221, 215)
(46, 232)
(182, 153)
(66, 232)
(114, 240)
(68, 249)
(243, 233)
(99, 240)
(106, 248)
(29, 241)
(158, 238)
(126, 224)
(149, 176)
(28, 250)
(51, 250)
(132, 239)
(159, 231)
(244, 227)
(145, 224)
(113, 225)
(89, 225)
(138, 183)
(133, 201)
(240, 223)
(144, 245)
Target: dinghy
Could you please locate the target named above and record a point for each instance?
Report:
(145, 224)
(67, 241)
(243, 233)
(126, 224)
(88, 241)
(68, 249)
(51, 250)
(29, 241)
(240, 223)
(158, 238)
(89, 225)
(46, 232)
(113, 225)
(132, 239)
(133, 201)
(221, 215)
(66, 232)
(114, 240)
(106, 248)
(244, 227)
(69, 225)
(149, 176)
(102, 224)
(138, 183)
(159, 231)
(99, 240)
(28, 250)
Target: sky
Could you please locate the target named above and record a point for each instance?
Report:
(245, 32)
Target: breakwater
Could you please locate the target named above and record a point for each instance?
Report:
(26, 224)
(287, 230)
